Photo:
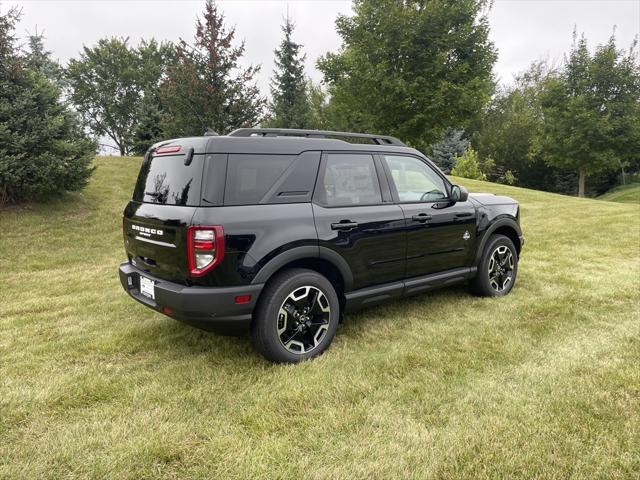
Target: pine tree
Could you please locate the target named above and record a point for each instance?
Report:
(290, 106)
(149, 128)
(43, 150)
(452, 145)
(205, 86)
(38, 58)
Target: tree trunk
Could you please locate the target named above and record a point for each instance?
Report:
(581, 178)
(122, 151)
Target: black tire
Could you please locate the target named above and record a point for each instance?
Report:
(283, 330)
(496, 279)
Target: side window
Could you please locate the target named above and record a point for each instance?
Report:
(349, 179)
(415, 181)
(249, 177)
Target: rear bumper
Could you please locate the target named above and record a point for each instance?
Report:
(204, 307)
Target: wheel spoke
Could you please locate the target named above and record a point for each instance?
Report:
(500, 268)
(303, 319)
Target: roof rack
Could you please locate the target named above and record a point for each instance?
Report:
(294, 132)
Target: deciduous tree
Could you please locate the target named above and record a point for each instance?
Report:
(109, 81)
(411, 68)
(591, 110)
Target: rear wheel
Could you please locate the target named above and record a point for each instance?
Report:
(297, 316)
(498, 268)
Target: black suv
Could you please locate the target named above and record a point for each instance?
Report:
(282, 231)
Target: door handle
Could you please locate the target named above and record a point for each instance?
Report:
(463, 214)
(344, 225)
(421, 217)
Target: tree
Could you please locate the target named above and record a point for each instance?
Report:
(149, 128)
(451, 145)
(290, 106)
(38, 58)
(205, 86)
(468, 166)
(318, 107)
(591, 110)
(109, 81)
(411, 68)
(43, 150)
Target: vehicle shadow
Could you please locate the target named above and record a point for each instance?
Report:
(179, 339)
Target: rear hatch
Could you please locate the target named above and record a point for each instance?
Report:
(165, 198)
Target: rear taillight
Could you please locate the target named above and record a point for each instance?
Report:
(205, 248)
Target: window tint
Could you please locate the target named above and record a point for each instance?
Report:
(168, 181)
(415, 181)
(349, 179)
(249, 177)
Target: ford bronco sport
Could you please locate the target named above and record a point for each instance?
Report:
(282, 231)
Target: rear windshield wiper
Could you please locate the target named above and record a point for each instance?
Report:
(153, 194)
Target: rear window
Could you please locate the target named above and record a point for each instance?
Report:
(250, 177)
(168, 181)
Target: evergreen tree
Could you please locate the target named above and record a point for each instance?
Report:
(205, 86)
(290, 106)
(451, 145)
(149, 127)
(38, 58)
(43, 150)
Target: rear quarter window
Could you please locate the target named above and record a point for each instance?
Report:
(250, 177)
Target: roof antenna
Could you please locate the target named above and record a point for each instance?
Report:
(209, 132)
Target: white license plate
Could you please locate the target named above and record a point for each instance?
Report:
(147, 287)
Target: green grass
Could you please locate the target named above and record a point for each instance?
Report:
(623, 194)
(543, 383)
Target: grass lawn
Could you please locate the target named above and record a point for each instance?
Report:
(623, 194)
(544, 383)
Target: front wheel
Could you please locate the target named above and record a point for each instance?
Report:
(498, 268)
(297, 316)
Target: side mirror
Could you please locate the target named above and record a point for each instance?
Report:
(459, 193)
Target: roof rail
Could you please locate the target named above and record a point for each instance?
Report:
(294, 132)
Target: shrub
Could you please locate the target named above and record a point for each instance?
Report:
(468, 166)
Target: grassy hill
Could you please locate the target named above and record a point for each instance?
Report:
(543, 383)
(623, 194)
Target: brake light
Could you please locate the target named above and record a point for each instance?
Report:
(205, 248)
(168, 149)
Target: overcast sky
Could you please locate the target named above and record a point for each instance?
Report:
(523, 30)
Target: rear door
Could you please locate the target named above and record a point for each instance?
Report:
(441, 235)
(155, 222)
(356, 218)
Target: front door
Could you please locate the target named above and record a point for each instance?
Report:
(441, 234)
(358, 220)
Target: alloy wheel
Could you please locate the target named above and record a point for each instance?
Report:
(501, 265)
(303, 319)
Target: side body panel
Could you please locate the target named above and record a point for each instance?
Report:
(375, 249)
(446, 241)
(254, 235)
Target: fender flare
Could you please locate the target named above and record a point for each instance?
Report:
(503, 222)
(302, 252)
